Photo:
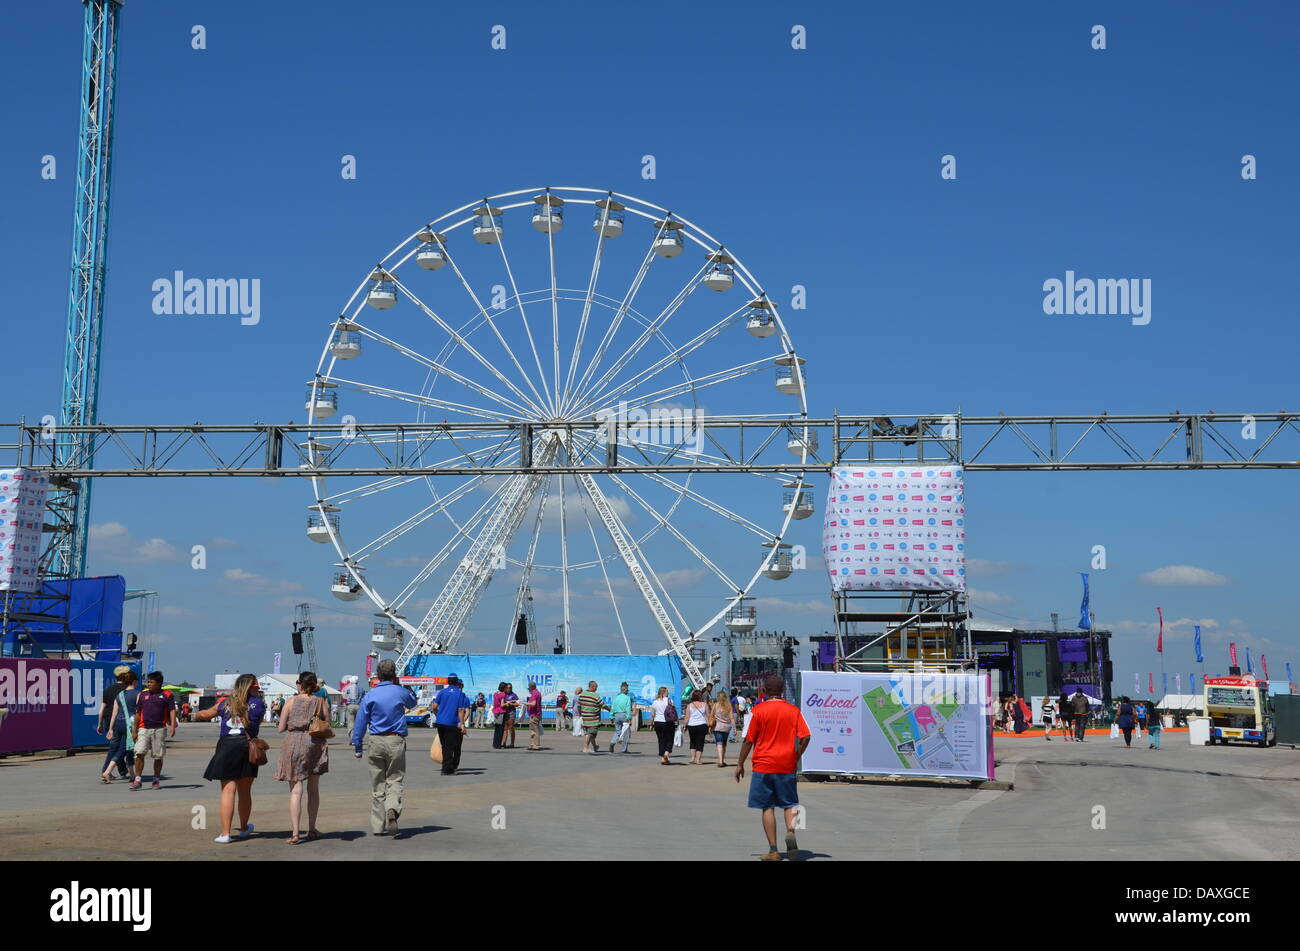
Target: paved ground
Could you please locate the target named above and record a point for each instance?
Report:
(1181, 802)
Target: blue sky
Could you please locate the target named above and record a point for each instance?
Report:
(819, 167)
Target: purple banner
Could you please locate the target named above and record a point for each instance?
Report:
(37, 694)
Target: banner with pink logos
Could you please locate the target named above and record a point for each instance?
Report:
(22, 519)
(895, 528)
(920, 724)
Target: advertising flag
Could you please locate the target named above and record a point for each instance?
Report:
(1178, 683)
(1288, 671)
(1164, 682)
(1137, 684)
(1191, 679)
(1200, 658)
(1249, 668)
(1151, 682)
(1085, 623)
(1160, 638)
(1232, 653)
(1263, 662)
(275, 668)
(153, 661)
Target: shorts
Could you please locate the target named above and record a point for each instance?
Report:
(591, 731)
(721, 736)
(773, 791)
(152, 743)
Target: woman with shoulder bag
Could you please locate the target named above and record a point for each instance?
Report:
(304, 755)
(665, 723)
(238, 753)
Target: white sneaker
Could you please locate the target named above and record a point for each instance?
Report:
(222, 839)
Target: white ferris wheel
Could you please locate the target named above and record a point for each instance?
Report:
(631, 324)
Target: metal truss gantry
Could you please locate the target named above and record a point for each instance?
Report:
(730, 444)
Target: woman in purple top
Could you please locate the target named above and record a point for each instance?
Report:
(510, 704)
(241, 714)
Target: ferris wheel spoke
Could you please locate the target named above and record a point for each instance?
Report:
(692, 385)
(439, 368)
(464, 533)
(496, 331)
(418, 519)
(464, 342)
(555, 311)
(652, 591)
(651, 330)
(676, 533)
(619, 314)
(564, 565)
(586, 306)
(712, 506)
(676, 356)
(546, 398)
(609, 587)
(393, 482)
(375, 390)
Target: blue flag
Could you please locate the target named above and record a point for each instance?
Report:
(1249, 668)
(1191, 678)
(1288, 673)
(1164, 682)
(1200, 658)
(1085, 622)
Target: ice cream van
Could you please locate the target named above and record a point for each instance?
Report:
(1240, 710)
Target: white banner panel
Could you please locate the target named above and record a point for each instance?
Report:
(926, 724)
(892, 528)
(22, 517)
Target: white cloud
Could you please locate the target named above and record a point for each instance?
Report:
(984, 568)
(988, 599)
(821, 608)
(174, 611)
(1176, 628)
(113, 541)
(1184, 576)
(259, 584)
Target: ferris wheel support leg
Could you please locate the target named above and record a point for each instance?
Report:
(628, 552)
(441, 628)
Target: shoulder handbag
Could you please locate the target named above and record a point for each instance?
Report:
(319, 727)
(256, 747)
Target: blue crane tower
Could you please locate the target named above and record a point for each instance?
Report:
(65, 556)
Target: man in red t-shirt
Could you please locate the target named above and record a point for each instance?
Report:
(777, 735)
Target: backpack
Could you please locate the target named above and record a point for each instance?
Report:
(670, 712)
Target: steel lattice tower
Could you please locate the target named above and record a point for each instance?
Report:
(70, 505)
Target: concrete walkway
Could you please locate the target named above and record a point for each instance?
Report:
(1180, 802)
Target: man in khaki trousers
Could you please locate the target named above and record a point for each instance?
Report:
(382, 717)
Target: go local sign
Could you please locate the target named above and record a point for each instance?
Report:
(918, 724)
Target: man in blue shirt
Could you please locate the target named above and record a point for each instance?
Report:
(382, 716)
(450, 708)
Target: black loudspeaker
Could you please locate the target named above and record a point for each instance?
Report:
(297, 642)
(1234, 671)
(521, 630)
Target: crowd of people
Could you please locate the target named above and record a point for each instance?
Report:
(1072, 715)
(139, 722)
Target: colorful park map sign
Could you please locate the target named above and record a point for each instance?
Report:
(928, 724)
